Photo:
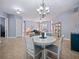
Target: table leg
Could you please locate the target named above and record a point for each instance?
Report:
(44, 52)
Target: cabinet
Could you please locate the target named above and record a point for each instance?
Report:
(57, 29)
(75, 41)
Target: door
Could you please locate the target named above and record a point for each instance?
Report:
(2, 27)
(18, 28)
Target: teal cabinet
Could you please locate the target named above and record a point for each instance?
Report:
(75, 42)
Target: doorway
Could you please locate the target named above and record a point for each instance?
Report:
(2, 27)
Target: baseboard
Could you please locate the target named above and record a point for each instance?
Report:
(15, 37)
(19, 37)
(11, 37)
(66, 39)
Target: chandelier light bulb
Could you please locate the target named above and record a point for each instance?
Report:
(38, 10)
(41, 8)
(47, 8)
(44, 13)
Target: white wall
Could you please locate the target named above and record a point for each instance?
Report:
(11, 26)
(2, 14)
(14, 25)
(70, 23)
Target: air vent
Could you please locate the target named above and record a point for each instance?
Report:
(76, 9)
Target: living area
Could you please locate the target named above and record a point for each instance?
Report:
(29, 29)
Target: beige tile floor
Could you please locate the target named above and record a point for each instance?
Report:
(14, 48)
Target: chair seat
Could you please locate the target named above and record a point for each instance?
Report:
(37, 50)
(52, 48)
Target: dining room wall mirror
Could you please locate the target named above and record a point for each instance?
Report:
(45, 26)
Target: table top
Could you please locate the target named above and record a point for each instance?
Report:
(46, 41)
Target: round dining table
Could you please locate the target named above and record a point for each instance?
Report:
(48, 40)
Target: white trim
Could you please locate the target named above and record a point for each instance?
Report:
(66, 39)
(23, 27)
(15, 37)
(12, 37)
(16, 28)
(6, 27)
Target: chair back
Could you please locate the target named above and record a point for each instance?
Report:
(60, 42)
(29, 43)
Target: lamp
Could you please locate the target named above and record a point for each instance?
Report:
(43, 10)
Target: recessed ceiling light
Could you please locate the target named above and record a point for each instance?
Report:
(18, 10)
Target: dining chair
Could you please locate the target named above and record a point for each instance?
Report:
(32, 49)
(56, 48)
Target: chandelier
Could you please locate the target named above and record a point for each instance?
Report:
(43, 10)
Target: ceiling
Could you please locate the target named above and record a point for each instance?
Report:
(57, 7)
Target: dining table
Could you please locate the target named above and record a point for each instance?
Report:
(43, 42)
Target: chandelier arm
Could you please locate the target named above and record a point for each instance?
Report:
(42, 1)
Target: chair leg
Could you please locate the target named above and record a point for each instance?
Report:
(58, 57)
(59, 52)
(33, 57)
(27, 56)
(42, 54)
